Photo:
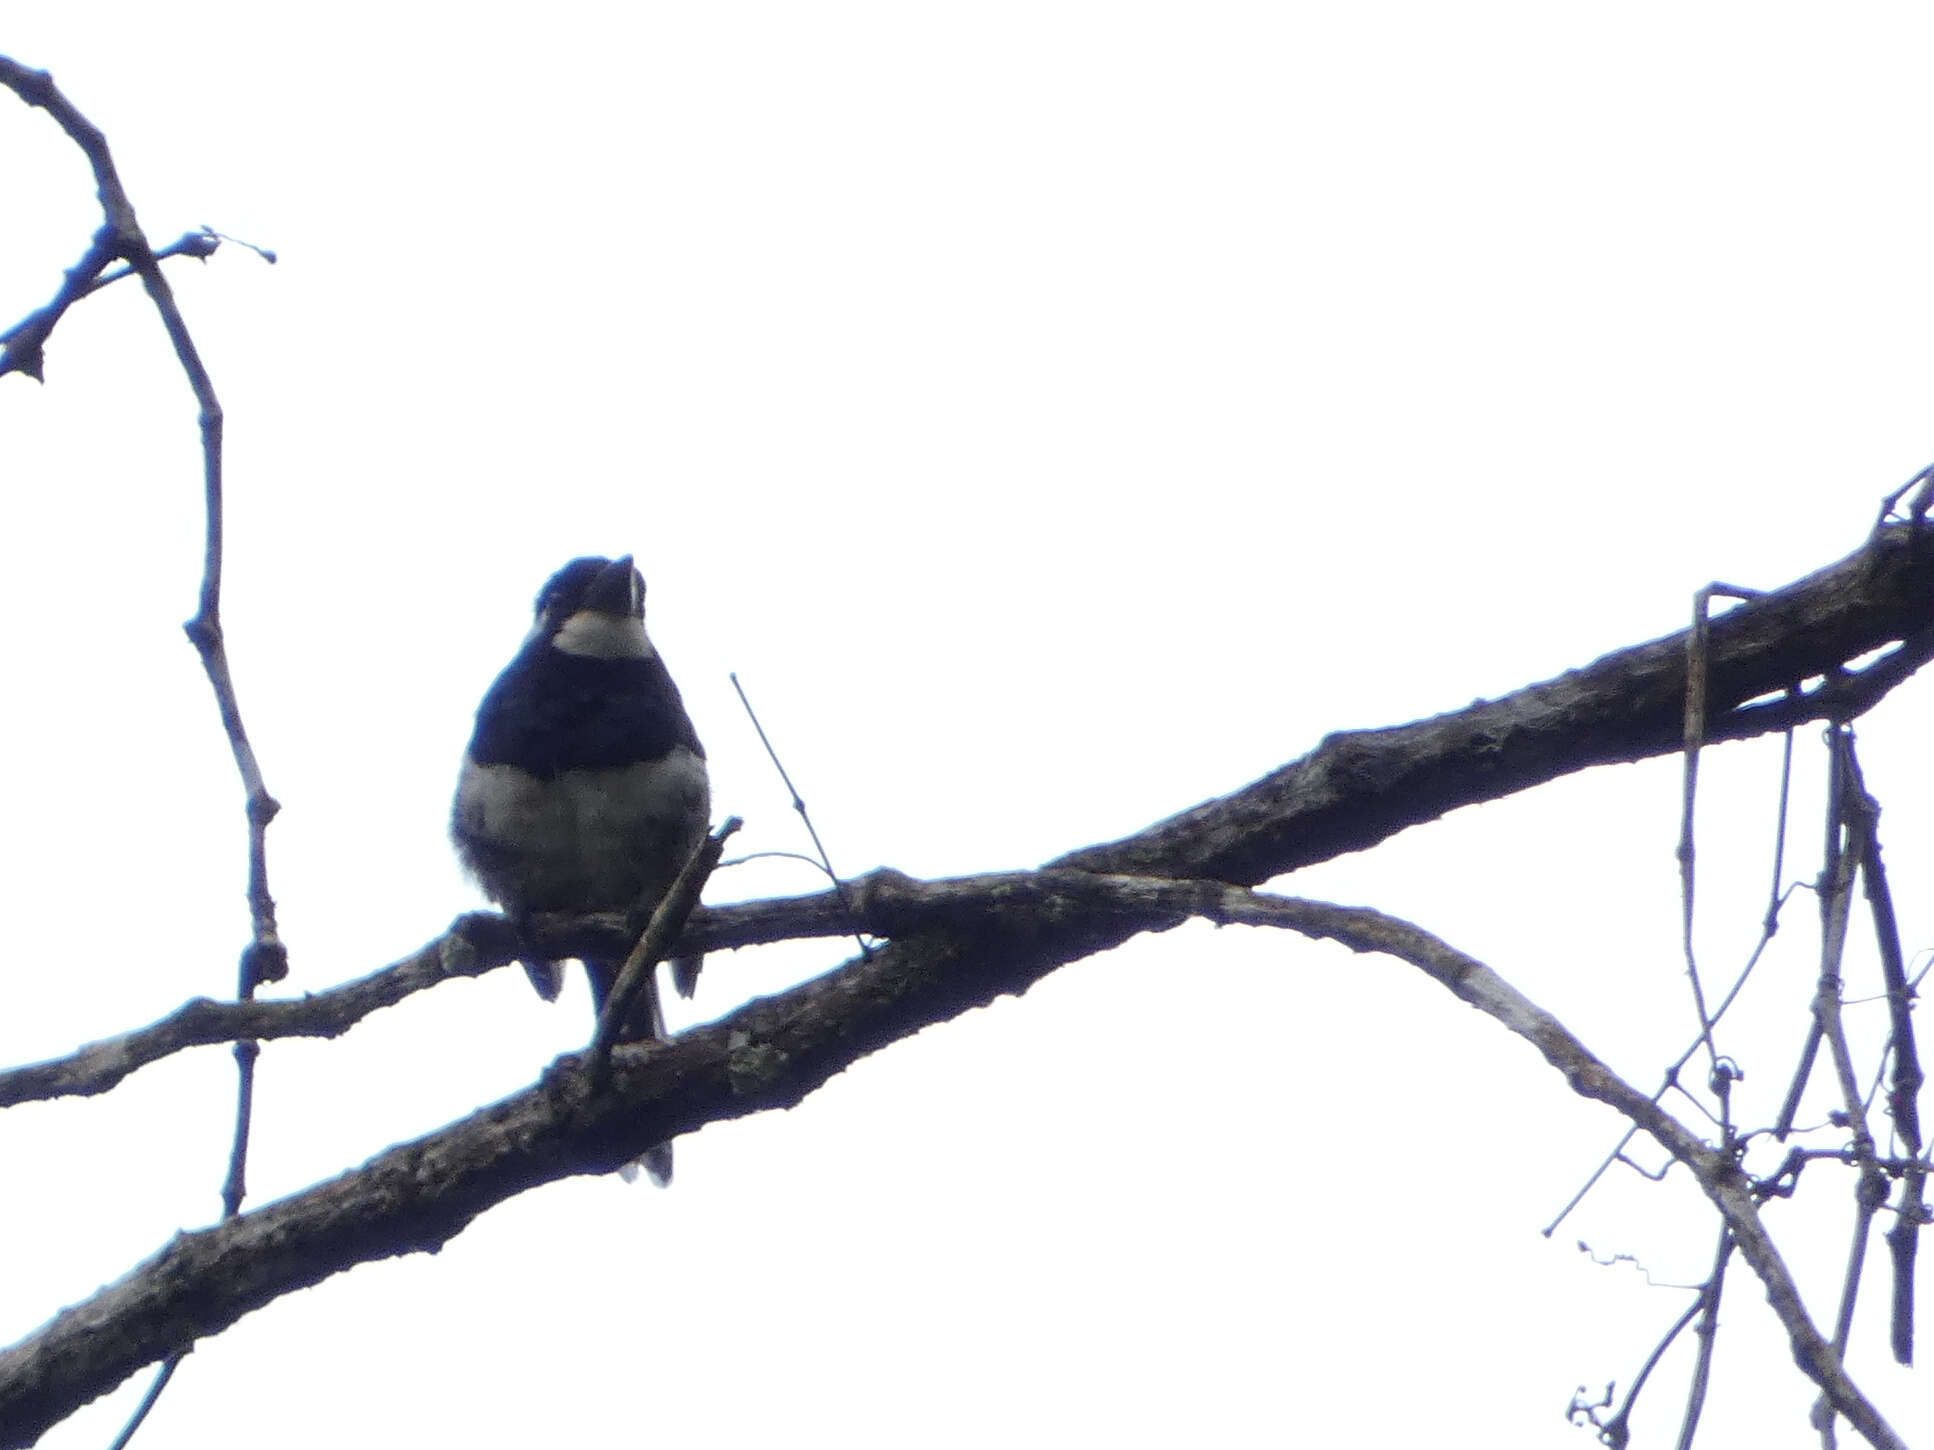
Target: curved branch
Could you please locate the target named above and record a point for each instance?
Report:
(886, 903)
(1353, 790)
(1008, 932)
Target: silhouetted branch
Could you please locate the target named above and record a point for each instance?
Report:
(770, 1054)
(1361, 787)
(1707, 1333)
(1906, 1079)
(1355, 789)
(120, 238)
(473, 946)
(667, 920)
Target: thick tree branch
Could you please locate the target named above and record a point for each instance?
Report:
(958, 945)
(1361, 787)
(885, 903)
(1007, 933)
(1355, 789)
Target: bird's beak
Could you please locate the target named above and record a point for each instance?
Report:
(612, 591)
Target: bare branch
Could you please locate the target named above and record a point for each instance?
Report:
(265, 959)
(1698, 653)
(1708, 1336)
(22, 345)
(1009, 933)
(1352, 791)
(117, 240)
(473, 946)
(1716, 1172)
(121, 238)
(1361, 787)
(1904, 1087)
(667, 920)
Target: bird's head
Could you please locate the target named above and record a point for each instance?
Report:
(594, 606)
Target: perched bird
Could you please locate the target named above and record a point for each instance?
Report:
(584, 787)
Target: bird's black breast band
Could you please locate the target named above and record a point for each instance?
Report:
(550, 712)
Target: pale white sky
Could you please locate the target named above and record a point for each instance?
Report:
(1057, 414)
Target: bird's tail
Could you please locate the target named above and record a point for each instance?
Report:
(546, 978)
(644, 1022)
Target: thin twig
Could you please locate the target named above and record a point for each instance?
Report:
(1903, 1090)
(200, 244)
(750, 856)
(122, 239)
(667, 921)
(1769, 927)
(1717, 1173)
(1617, 1431)
(1796, 1089)
(475, 944)
(1846, 828)
(1707, 1335)
(1698, 653)
(1775, 894)
(769, 1054)
(161, 1378)
(825, 861)
(235, 1181)
(1835, 889)
(21, 346)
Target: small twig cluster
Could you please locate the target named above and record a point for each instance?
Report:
(1851, 853)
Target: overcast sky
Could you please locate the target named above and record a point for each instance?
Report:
(1057, 414)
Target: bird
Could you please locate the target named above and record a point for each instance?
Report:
(584, 786)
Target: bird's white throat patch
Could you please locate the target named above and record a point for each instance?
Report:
(603, 636)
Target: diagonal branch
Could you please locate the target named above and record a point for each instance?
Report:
(667, 921)
(1006, 935)
(1361, 787)
(1353, 790)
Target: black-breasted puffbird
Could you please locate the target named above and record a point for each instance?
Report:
(584, 787)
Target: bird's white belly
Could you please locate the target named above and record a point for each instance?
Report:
(587, 840)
